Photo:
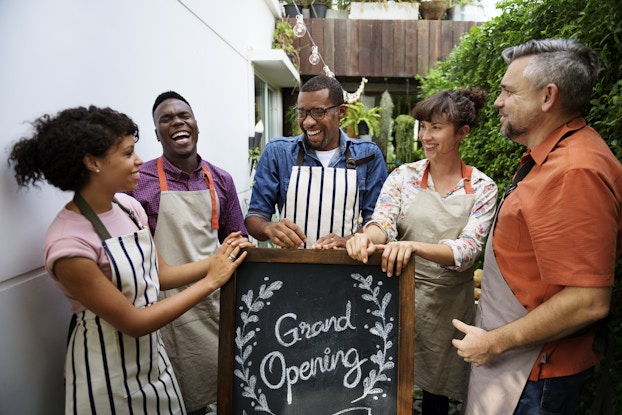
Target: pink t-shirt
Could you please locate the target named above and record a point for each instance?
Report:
(72, 235)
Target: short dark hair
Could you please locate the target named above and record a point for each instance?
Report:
(167, 95)
(317, 83)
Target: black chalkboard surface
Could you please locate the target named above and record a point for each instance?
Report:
(314, 332)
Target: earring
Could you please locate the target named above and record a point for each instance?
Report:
(97, 171)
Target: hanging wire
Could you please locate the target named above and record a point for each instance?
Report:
(316, 57)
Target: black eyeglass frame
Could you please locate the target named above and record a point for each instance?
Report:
(317, 116)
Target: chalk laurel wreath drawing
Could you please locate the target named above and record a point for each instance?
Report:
(381, 329)
(244, 335)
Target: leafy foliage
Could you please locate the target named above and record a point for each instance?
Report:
(356, 113)
(404, 139)
(477, 61)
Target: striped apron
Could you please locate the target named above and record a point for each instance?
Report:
(186, 231)
(323, 200)
(108, 372)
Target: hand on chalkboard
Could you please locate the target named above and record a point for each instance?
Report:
(285, 234)
(360, 247)
(236, 239)
(224, 262)
(395, 256)
(330, 241)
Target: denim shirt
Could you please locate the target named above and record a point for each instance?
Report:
(279, 156)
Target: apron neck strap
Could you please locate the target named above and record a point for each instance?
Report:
(208, 179)
(350, 162)
(90, 214)
(467, 171)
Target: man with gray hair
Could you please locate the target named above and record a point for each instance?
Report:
(550, 259)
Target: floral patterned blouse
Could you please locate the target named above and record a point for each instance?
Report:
(400, 189)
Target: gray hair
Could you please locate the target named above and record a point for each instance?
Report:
(566, 63)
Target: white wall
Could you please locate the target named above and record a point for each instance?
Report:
(61, 53)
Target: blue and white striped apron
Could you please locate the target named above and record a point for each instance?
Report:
(108, 372)
(322, 200)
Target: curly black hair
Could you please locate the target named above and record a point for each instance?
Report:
(56, 150)
(459, 107)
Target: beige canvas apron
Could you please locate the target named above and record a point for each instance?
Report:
(186, 231)
(107, 371)
(495, 388)
(440, 295)
(322, 200)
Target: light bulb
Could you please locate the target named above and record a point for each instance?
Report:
(299, 28)
(328, 72)
(314, 58)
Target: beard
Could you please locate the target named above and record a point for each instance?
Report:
(512, 131)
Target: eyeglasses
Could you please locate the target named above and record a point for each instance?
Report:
(316, 113)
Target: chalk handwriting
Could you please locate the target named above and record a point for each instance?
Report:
(308, 331)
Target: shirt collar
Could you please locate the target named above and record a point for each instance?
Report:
(171, 169)
(541, 152)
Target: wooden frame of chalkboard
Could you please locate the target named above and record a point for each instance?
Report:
(306, 331)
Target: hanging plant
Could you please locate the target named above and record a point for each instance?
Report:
(355, 114)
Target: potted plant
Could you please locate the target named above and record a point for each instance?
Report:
(340, 10)
(358, 118)
(290, 8)
(433, 9)
(283, 38)
(384, 10)
(317, 8)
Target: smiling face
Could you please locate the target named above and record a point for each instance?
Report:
(176, 129)
(118, 168)
(440, 139)
(320, 134)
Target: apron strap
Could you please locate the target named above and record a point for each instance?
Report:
(210, 185)
(467, 171)
(88, 212)
(351, 163)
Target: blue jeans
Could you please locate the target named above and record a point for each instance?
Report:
(554, 396)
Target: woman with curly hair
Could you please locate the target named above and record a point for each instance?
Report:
(439, 210)
(104, 260)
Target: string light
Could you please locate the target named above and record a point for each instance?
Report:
(314, 58)
(300, 29)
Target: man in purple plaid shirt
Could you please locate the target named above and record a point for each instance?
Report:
(192, 206)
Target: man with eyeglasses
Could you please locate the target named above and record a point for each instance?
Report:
(324, 183)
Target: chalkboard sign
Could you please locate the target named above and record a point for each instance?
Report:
(305, 331)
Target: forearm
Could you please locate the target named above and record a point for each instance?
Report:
(149, 319)
(438, 253)
(257, 227)
(375, 233)
(174, 276)
(562, 315)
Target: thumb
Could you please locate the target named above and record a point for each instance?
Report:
(459, 325)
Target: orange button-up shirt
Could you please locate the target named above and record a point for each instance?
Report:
(562, 226)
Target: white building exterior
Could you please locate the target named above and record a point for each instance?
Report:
(62, 53)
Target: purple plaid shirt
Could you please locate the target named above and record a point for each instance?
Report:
(148, 193)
